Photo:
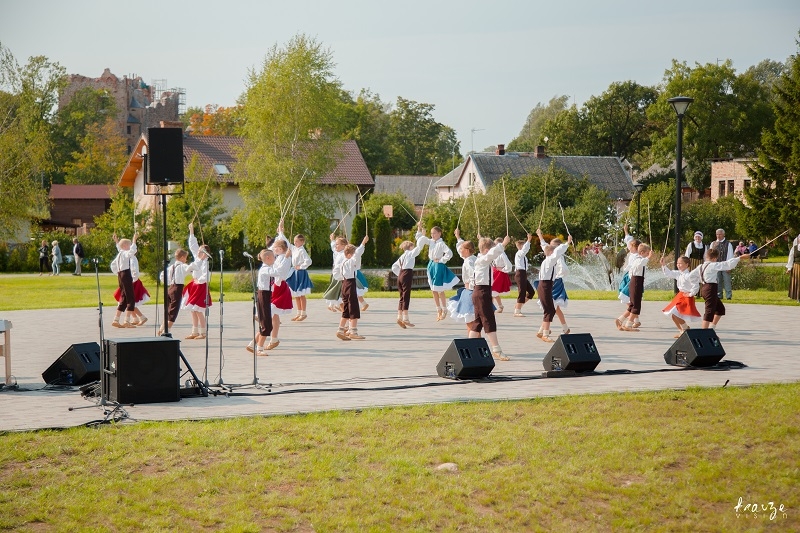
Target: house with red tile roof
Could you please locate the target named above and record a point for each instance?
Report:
(73, 207)
(219, 156)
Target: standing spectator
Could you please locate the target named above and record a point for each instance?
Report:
(793, 269)
(44, 253)
(696, 251)
(57, 259)
(741, 249)
(77, 252)
(725, 249)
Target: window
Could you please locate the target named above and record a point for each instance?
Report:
(471, 179)
(77, 221)
(221, 169)
(746, 184)
(730, 186)
(721, 188)
(129, 130)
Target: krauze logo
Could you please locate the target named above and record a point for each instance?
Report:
(766, 510)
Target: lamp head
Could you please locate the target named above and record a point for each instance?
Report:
(680, 104)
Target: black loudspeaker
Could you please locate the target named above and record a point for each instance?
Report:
(696, 347)
(466, 359)
(79, 365)
(576, 352)
(145, 370)
(164, 156)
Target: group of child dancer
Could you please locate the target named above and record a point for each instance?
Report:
(689, 281)
(283, 276)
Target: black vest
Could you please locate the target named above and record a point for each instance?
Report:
(697, 253)
(722, 247)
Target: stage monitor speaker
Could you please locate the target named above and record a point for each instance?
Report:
(164, 156)
(576, 352)
(79, 365)
(696, 347)
(144, 370)
(466, 359)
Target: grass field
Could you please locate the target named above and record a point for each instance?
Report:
(29, 291)
(661, 461)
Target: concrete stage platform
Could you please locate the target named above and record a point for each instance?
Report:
(312, 370)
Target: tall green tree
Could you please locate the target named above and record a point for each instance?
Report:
(291, 107)
(365, 119)
(100, 157)
(413, 138)
(28, 97)
(726, 119)
(612, 124)
(531, 134)
(774, 193)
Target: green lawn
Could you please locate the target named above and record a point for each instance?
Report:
(656, 461)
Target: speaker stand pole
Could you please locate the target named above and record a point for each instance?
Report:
(255, 344)
(219, 382)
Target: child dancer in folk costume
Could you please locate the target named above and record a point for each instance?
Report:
(345, 272)
(362, 288)
(482, 294)
(708, 285)
(560, 297)
(176, 274)
(793, 269)
(636, 269)
(521, 275)
(501, 279)
(140, 294)
(333, 294)
(696, 251)
(440, 278)
(460, 306)
(121, 266)
(267, 275)
(281, 294)
(195, 294)
(547, 275)
(299, 282)
(403, 268)
(682, 308)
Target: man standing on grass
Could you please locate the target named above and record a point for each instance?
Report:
(77, 252)
(725, 249)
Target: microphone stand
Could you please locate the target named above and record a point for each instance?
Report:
(255, 344)
(220, 383)
(206, 312)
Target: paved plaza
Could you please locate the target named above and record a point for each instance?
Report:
(312, 370)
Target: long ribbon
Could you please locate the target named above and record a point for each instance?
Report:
(505, 202)
(769, 241)
(666, 239)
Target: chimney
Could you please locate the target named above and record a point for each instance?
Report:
(539, 153)
(501, 149)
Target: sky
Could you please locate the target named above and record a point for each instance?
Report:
(483, 65)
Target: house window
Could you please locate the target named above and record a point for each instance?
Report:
(471, 179)
(721, 188)
(129, 130)
(746, 184)
(77, 221)
(730, 186)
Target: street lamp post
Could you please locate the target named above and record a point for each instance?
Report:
(639, 188)
(680, 104)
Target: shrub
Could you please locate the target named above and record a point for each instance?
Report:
(242, 281)
(753, 277)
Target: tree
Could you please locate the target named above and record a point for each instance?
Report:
(726, 119)
(612, 124)
(402, 209)
(100, 157)
(413, 138)
(28, 97)
(216, 120)
(291, 107)
(366, 120)
(531, 134)
(774, 193)
(357, 232)
(383, 242)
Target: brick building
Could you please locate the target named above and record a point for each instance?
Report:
(729, 176)
(140, 106)
(73, 207)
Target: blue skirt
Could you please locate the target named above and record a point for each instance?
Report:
(362, 285)
(461, 307)
(300, 283)
(624, 295)
(441, 278)
(560, 297)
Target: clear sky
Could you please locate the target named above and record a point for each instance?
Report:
(484, 65)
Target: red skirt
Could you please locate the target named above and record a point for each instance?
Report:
(281, 299)
(501, 283)
(195, 296)
(683, 307)
(140, 294)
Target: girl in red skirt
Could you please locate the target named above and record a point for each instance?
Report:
(281, 293)
(140, 294)
(195, 294)
(501, 279)
(682, 308)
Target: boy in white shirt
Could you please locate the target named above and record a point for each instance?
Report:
(709, 285)
(635, 269)
(482, 294)
(547, 274)
(521, 275)
(346, 274)
(403, 268)
(176, 275)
